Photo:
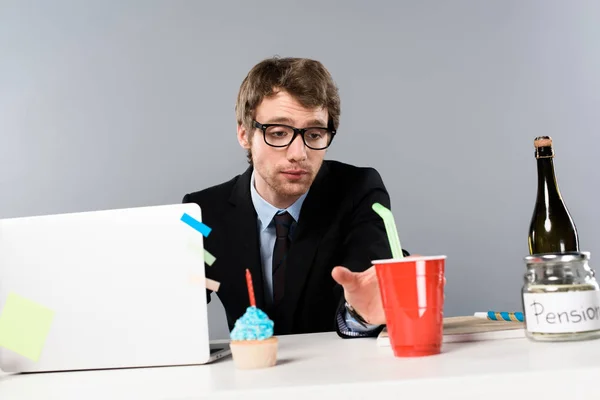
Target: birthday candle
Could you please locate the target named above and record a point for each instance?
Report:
(250, 288)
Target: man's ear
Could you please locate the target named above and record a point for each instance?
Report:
(243, 137)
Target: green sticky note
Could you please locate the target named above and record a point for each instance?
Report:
(197, 248)
(24, 326)
(209, 258)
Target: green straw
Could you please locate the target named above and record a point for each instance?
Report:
(390, 227)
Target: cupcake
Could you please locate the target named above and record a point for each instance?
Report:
(253, 345)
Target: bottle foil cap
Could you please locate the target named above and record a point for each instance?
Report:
(542, 141)
(543, 147)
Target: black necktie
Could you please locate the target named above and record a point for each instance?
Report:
(283, 222)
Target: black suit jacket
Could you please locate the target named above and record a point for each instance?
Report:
(337, 226)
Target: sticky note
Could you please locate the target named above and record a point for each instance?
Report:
(212, 285)
(208, 283)
(197, 225)
(24, 326)
(209, 258)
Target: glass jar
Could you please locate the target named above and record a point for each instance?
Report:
(561, 298)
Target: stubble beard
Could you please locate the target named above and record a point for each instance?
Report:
(286, 189)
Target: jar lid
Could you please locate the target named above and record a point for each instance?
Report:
(557, 257)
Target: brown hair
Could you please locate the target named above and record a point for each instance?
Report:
(308, 81)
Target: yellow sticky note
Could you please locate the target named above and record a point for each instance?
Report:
(24, 326)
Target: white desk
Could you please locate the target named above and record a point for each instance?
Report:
(325, 366)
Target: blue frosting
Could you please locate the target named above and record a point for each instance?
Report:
(253, 325)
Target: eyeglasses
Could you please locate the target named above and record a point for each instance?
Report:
(277, 135)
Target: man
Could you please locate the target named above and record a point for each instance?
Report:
(292, 217)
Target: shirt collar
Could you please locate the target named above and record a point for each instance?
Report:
(267, 211)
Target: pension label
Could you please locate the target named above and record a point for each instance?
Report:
(562, 312)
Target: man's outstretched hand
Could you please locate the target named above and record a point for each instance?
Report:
(361, 291)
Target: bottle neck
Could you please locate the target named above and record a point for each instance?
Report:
(546, 177)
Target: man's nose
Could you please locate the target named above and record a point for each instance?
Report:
(297, 150)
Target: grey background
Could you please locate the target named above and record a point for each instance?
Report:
(131, 103)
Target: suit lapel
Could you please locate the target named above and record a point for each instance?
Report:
(313, 223)
(242, 228)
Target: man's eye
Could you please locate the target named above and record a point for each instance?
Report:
(278, 134)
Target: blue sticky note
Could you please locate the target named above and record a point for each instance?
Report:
(197, 225)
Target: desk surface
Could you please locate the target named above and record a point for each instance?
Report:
(323, 366)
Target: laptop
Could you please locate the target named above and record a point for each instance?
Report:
(126, 288)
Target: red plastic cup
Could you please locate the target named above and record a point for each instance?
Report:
(412, 292)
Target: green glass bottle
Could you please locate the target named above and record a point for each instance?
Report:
(552, 229)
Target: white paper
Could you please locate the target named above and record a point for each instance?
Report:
(562, 312)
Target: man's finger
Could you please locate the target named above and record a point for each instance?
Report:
(345, 277)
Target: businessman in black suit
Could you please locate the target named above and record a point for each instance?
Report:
(303, 226)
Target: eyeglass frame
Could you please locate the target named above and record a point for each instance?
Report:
(297, 131)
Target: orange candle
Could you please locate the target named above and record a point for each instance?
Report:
(250, 288)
